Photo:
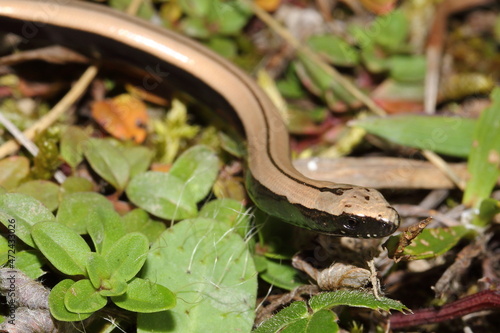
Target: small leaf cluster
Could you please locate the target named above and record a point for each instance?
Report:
(381, 47)
(109, 271)
(297, 318)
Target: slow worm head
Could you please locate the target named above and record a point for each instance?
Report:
(273, 184)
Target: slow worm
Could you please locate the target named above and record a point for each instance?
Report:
(272, 182)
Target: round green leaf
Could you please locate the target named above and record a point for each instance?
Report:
(138, 220)
(335, 49)
(56, 303)
(44, 191)
(197, 167)
(12, 170)
(113, 287)
(72, 145)
(82, 297)
(107, 161)
(211, 267)
(97, 269)
(105, 227)
(75, 209)
(63, 247)
(25, 211)
(127, 256)
(162, 195)
(145, 296)
(76, 184)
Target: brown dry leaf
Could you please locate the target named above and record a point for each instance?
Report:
(123, 116)
(379, 7)
(268, 5)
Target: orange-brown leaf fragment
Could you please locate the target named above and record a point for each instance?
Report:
(123, 116)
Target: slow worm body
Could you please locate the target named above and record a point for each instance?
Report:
(272, 182)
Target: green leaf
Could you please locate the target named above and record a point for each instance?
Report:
(25, 211)
(97, 269)
(108, 162)
(407, 68)
(319, 322)
(162, 195)
(323, 321)
(290, 314)
(146, 9)
(82, 297)
(105, 227)
(224, 46)
(335, 49)
(12, 170)
(71, 148)
(281, 275)
(195, 27)
(487, 210)
(484, 158)
(197, 8)
(138, 220)
(65, 249)
(446, 135)
(229, 211)
(327, 88)
(74, 210)
(211, 268)
(390, 31)
(56, 303)
(4, 250)
(127, 256)
(228, 17)
(30, 263)
(145, 297)
(290, 86)
(355, 298)
(76, 184)
(198, 168)
(434, 242)
(113, 287)
(138, 158)
(44, 191)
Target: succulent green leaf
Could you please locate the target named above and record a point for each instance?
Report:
(105, 227)
(56, 303)
(12, 170)
(97, 269)
(19, 212)
(71, 148)
(145, 297)
(163, 195)
(211, 267)
(197, 167)
(82, 297)
(127, 256)
(113, 287)
(65, 249)
(76, 209)
(108, 162)
(138, 220)
(44, 191)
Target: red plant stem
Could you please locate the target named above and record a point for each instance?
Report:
(488, 299)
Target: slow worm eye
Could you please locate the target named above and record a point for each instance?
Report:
(350, 224)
